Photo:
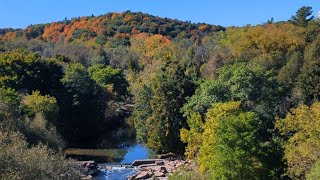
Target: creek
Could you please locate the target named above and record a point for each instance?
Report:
(117, 148)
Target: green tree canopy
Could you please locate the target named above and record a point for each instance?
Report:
(45, 105)
(84, 104)
(308, 85)
(28, 72)
(229, 143)
(107, 76)
(303, 16)
(170, 88)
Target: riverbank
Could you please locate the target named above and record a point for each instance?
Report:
(139, 169)
(160, 169)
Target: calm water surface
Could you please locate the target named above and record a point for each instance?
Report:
(116, 147)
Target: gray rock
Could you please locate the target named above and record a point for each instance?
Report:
(142, 175)
(170, 169)
(159, 174)
(87, 177)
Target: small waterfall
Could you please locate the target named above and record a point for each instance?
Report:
(116, 173)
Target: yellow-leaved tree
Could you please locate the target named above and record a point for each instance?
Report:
(302, 129)
(193, 136)
(229, 143)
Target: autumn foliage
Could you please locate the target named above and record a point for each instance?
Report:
(109, 26)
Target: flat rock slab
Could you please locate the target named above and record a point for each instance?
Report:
(155, 168)
(143, 175)
(145, 161)
(159, 174)
(159, 169)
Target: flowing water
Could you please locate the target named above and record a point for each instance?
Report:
(116, 158)
(121, 173)
(117, 150)
(116, 173)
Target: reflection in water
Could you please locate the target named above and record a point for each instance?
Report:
(113, 147)
(121, 155)
(98, 155)
(119, 138)
(136, 152)
(117, 146)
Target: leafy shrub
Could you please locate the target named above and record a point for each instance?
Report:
(38, 130)
(46, 105)
(188, 173)
(38, 162)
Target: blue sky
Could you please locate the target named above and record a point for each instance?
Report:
(21, 13)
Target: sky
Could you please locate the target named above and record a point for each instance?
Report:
(21, 13)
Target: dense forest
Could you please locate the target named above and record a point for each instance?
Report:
(240, 102)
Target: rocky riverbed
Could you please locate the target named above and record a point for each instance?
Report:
(142, 169)
(160, 169)
(88, 169)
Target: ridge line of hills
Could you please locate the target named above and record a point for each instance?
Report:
(115, 26)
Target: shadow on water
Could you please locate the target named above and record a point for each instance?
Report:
(121, 155)
(118, 146)
(98, 155)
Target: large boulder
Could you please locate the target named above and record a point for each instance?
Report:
(143, 175)
(159, 174)
(88, 167)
